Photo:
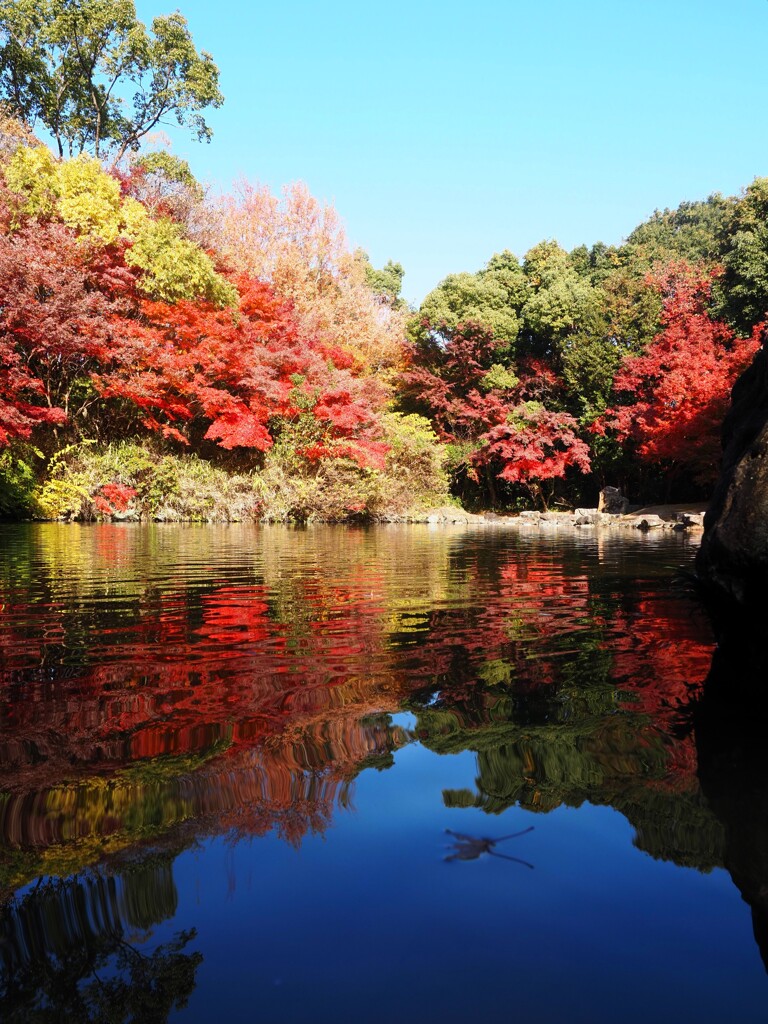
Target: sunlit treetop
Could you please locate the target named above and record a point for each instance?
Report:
(96, 79)
(89, 201)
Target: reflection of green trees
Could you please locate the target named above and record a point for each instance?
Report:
(277, 643)
(76, 949)
(600, 755)
(675, 826)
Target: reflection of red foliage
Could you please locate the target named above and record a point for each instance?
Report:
(660, 664)
(228, 665)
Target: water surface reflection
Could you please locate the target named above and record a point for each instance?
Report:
(164, 690)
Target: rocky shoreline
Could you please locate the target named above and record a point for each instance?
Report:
(682, 517)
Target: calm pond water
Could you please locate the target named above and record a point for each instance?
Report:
(334, 774)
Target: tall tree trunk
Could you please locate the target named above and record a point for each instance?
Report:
(491, 486)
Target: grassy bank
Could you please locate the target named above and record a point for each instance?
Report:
(142, 481)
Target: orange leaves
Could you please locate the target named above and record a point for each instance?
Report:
(298, 245)
(239, 429)
(537, 445)
(78, 344)
(113, 498)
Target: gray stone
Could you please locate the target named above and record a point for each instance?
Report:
(449, 514)
(612, 501)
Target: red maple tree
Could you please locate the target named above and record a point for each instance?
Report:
(475, 400)
(235, 377)
(673, 397)
(54, 327)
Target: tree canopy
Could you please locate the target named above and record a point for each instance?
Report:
(96, 79)
(247, 331)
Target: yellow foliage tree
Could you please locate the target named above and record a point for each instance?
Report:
(88, 200)
(175, 268)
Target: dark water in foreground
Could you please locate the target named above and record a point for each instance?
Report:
(266, 775)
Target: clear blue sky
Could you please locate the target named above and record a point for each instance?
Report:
(446, 131)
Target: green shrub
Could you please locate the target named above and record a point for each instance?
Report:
(152, 484)
(335, 490)
(414, 477)
(143, 481)
(18, 480)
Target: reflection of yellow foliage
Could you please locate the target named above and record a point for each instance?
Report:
(496, 673)
(403, 570)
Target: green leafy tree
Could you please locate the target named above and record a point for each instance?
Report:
(627, 321)
(560, 302)
(491, 298)
(693, 233)
(91, 73)
(742, 293)
(386, 282)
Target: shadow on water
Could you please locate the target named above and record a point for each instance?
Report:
(466, 847)
(730, 722)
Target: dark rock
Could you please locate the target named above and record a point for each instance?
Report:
(649, 522)
(612, 501)
(733, 559)
(690, 520)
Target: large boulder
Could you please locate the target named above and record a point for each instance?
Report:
(612, 501)
(733, 559)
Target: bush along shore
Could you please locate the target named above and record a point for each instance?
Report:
(134, 482)
(142, 482)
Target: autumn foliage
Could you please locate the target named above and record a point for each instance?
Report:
(496, 421)
(114, 323)
(233, 377)
(674, 396)
(246, 332)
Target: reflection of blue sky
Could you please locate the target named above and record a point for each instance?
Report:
(369, 923)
